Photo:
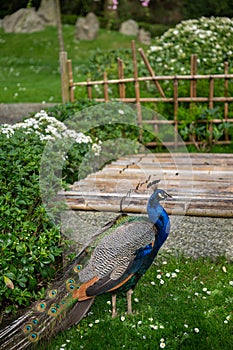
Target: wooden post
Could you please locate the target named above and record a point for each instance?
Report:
(152, 73)
(64, 77)
(193, 88)
(121, 76)
(176, 106)
(137, 89)
(106, 87)
(89, 89)
(193, 71)
(70, 74)
(226, 95)
(193, 82)
(211, 106)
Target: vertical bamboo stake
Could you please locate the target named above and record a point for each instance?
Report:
(70, 74)
(121, 76)
(106, 87)
(226, 95)
(193, 71)
(193, 87)
(211, 106)
(64, 77)
(89, 89)
(137, 89)
(175, 92)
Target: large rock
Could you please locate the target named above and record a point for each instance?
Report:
(144, 37)
(87, 28)
(47, 11)
(129, 27)
(23, 21)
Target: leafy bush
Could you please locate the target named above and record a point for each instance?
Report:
(201, 131)
(69, 19)
(30, 243)
(209, 38)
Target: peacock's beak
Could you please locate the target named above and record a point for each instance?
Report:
(168, 195)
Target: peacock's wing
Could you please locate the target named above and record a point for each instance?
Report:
(116, 257)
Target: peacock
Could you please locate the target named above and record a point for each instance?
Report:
(113, 261)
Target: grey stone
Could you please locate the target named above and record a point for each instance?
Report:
(47, 11)
(144, 37)
(129, 27)
(23, 21)
(87, 28)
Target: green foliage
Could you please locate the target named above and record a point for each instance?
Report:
(207, 8)
(154, 29)
(199, 128)
(30, 242)
(33, 75)
(121, 119)
(69, 19)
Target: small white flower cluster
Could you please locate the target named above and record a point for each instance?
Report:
(168, 275)
(48, 128)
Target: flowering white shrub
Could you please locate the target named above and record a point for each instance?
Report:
(46, 127)
(210, 38)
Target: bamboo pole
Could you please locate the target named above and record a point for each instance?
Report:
(70, 74)
(225, 95)
(170, 99)
(64, 77)
(148, 66)
(121, 76)
(193, 89)
(160, 77)
(106, 98)
(176, 106)
(89, 89)
(211, 106)
(193, 72)
(137, 88)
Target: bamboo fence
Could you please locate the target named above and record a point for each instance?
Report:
(69, 85)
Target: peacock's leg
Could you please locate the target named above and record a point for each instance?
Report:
(114, 310)
(129, 301)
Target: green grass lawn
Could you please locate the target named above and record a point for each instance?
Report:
(29, 63)
(180, 304)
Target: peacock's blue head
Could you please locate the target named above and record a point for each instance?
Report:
(157, 196)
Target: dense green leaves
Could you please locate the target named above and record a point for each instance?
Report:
(30, 242)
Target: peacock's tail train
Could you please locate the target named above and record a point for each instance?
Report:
(59, 310)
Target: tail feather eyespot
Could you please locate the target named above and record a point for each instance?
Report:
(77, 268)
(33, 337)
(52, 293)
(27, 328)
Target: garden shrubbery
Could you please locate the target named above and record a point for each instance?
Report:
(30, 242)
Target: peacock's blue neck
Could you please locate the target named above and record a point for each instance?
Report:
(158, 215)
